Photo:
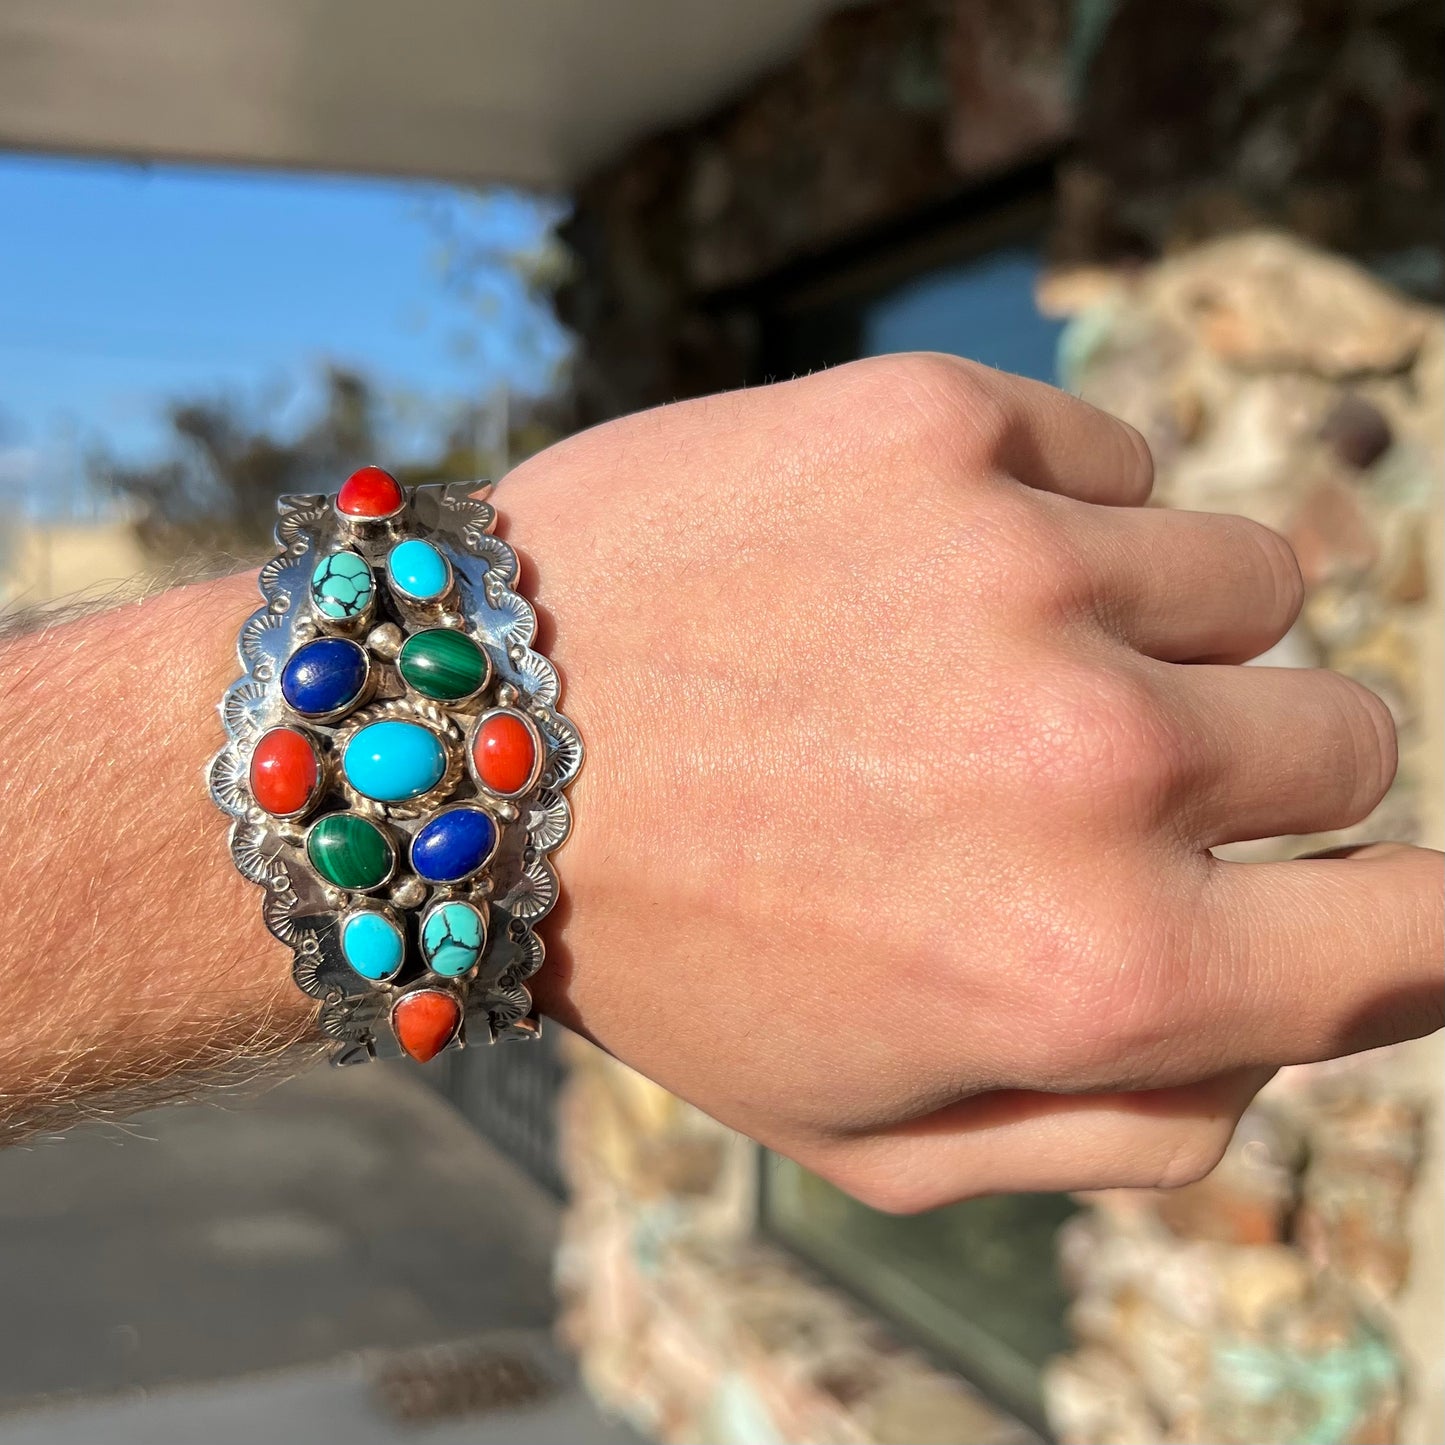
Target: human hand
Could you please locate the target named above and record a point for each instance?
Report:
(910, 731)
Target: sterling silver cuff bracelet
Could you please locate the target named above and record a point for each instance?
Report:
(395, 767)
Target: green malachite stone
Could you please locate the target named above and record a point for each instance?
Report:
(443, 664)
(350, 851)
(342, 586)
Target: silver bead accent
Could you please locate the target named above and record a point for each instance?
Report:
(408, 892)
(385, 641)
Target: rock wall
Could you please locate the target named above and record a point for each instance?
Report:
(698, 1331)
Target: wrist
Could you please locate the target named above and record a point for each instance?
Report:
(651, 706)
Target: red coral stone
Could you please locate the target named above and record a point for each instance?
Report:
(284, 772)
(504, 753)
(425, 1021)
(370, 492)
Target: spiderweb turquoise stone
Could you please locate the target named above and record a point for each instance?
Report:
(342, 586)
(451, 939)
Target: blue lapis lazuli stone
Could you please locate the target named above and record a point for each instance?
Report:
(324, 676)
(417, 569)
(373, 945)
(393, 761)
(453, 845)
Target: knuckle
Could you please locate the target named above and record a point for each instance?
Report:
(991, 419)
(946, 394)
(1189, 1158)
(878, 1178)
(1105, 741)
(1147, 755)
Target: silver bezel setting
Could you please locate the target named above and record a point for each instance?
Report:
(358, 622)
(456, 704)
(478, 907)
(356, 525)
(335, 888)
(434, 983)
(424, 613)
(470, 805)
(368, 680)
(539, 752)
(518, 884)
(377, 911)
(402, 709)
(323, 770)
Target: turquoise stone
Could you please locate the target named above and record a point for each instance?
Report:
(393, 761)
(452, 938)
(342, 586)
(373, 945)
(418, 570)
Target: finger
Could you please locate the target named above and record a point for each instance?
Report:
(1020, 1142)
(1331, 955)
(1278, 750)
(1055, 442)
(1190, 586)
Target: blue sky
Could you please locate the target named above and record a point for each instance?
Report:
(123, 287)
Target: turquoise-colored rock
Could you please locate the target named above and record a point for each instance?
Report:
(342, 586)
(373, 945)
(452, 938)
(418, 570)
(393, 761)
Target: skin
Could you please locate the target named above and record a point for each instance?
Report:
(909, 733)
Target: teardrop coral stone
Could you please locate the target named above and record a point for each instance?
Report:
(425, 1021)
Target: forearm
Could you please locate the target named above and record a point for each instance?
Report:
(132, 953)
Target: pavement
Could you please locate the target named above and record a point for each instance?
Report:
(248, 1270)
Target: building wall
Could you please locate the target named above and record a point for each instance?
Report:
(1166, 124)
